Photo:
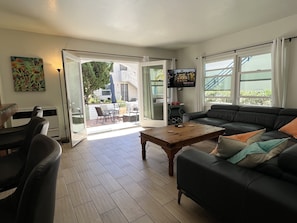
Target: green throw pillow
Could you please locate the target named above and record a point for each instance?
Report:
(259, 152)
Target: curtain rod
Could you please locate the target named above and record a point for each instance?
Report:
(247, 47)
(115, 55)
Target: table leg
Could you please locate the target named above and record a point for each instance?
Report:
(170, 156)
(171, 165)
(143, 144)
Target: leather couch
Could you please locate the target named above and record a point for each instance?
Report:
(239, 119)
(238, 194)
(265, 193)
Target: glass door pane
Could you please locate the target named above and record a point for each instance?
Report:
(73, 80)
(153, 96)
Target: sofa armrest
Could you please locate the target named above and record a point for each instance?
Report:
(193, 115)
(214, 183)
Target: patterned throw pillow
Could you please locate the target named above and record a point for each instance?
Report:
(259, 152)
(290, 128)
(229, 145)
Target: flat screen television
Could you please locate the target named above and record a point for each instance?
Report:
(181, 78)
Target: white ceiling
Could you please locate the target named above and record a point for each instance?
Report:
(169, 24)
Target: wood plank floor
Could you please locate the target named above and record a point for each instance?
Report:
(104, 179)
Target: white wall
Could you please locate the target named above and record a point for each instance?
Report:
(16, 43)
(282, 28)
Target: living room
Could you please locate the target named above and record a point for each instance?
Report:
(49, 47)
(15, 42)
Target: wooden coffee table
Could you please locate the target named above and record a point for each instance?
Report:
(172, 138)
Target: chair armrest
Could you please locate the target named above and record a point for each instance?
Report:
(12, 138)
(13, 130)
(193, 115)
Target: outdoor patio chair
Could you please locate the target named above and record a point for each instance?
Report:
(134, 113)
(102, 115)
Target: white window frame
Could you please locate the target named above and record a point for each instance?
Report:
(245, 53)
(216, 59)
(235, 77)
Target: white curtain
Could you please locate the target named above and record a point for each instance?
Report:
(148, 104)
(200, 85)
(279, 73)
(147, 94)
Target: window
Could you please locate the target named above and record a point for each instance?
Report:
(125, 92)
(106, 92)
(255, 80)
(218, 81)
(242, 78)
(122, 67)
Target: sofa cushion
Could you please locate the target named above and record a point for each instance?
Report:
(270, 200)
(240, 127)
(259, 115)
(229, 145)
(285, 116)
(225, 107)
(270, 167)
(193, 115)
(261, 109)
(221, 111)
(275, 134)
(287, 159)
(258, 152)
(211, 121)
(290, 128)
(227, 115)
(257, 118)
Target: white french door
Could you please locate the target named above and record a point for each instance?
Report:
(75, 103)
(153, 94)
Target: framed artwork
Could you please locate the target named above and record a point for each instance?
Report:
(27, 73)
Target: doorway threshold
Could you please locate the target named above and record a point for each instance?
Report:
(111, 127)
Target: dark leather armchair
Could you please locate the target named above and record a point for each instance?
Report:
(34, 199)
(12, 165)
(15, 136)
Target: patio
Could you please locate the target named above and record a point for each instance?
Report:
(94, 126)
(126, 113)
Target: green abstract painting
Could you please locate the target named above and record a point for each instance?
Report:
(27, 73)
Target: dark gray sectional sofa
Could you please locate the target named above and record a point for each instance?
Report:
(239, 119)
(266, 193)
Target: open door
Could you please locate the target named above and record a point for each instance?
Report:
(75, 98)
(153, 94)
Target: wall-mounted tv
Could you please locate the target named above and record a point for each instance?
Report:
(181, 77)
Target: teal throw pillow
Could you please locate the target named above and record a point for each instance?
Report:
(259, 152)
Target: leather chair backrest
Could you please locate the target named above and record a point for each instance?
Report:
(36, 193)
(37, 111)
(35, 126)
